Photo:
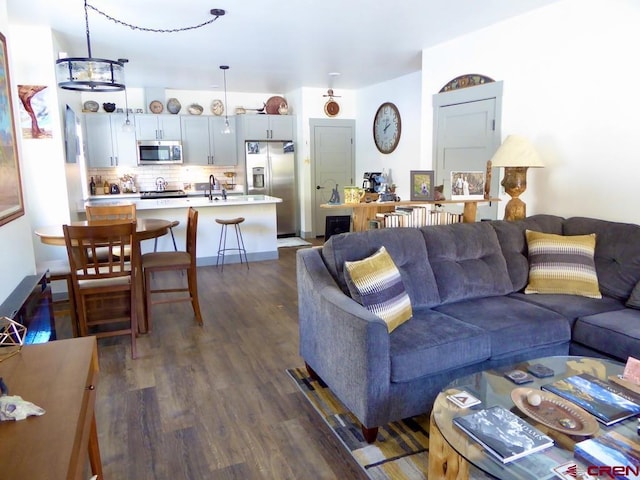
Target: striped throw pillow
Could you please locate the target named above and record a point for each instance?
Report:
(375, 282)
(562, 264)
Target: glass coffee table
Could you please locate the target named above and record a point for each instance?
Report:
(453, 454)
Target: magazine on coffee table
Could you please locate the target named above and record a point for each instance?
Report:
(502, 433)
(611, 449)
(600, 400)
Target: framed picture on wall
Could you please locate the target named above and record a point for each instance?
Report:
(467, 185)
(421, 185)
(11, 203)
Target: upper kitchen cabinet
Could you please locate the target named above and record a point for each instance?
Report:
(157, 127)
(267, 127)
(203, 142)
(107, 144)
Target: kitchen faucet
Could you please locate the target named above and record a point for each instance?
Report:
(212, 182)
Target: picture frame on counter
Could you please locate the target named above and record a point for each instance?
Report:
(11, 200)
(422, 187)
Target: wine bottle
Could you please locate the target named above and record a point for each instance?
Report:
(92, 187)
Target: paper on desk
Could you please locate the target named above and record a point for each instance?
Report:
(13, 407)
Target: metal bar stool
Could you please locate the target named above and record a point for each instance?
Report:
(222, 247)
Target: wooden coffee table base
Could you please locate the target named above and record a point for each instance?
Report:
(444, 461)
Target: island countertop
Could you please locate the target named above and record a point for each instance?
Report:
(258, 228)
(190, 201)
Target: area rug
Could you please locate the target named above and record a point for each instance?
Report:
(292, 242)
(399, 453)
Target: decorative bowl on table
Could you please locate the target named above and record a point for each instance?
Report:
(555, 412)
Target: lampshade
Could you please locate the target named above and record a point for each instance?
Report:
(516, 151)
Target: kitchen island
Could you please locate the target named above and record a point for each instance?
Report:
(258, 229)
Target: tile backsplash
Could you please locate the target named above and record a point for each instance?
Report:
(177, 177)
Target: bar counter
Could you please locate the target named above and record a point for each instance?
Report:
(258, 230)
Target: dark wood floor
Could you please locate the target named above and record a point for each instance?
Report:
(215, 402)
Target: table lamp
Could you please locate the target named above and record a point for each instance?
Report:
(516, 155)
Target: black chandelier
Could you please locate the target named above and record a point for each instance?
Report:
(99, 74)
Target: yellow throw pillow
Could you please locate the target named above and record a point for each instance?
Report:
(562, 264)
(379, 288)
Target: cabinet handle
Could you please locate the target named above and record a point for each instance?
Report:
(115, 161)
(91, 387)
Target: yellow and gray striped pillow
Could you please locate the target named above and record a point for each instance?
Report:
(562, 264)
(375, 282)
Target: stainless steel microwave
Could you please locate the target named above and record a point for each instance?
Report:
(159, 152)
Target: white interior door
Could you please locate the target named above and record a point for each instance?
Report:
(467, 133)
(333, 157)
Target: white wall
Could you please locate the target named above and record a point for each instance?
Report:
(15, 237)
(405, 93)
(569, 72)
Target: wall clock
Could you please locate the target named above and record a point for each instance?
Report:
(387, 127)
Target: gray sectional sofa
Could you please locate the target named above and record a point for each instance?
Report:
(466, 284)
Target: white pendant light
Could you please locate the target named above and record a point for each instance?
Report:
(227, 129)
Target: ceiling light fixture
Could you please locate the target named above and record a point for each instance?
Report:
(127, 126)
(227, 128)
(90, 74)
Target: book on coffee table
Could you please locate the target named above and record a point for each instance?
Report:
(604, 401)
(611, 449)
(502, 433)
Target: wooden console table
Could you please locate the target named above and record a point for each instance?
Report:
(363, 212)
(61, 377)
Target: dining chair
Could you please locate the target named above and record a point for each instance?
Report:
(111, 212)
(103, 288)
(155, 262)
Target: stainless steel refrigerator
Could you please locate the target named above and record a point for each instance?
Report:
(271, 171)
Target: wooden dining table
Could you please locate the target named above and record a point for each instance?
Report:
(146, 229)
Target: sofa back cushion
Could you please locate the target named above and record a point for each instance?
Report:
(467, 261)
(617, 254)
(405, 246)
(513, 243)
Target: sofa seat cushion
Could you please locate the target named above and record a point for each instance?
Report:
(514, 326)
(615, 333)
(467, 261)
(432, 342)
(572, 306)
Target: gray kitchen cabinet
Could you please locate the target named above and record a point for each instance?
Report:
(203, 142)
(107, 144)
(157, 127)
(268, 127)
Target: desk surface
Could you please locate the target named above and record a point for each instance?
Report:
(57, 377)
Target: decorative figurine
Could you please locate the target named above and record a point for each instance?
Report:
(335, 196)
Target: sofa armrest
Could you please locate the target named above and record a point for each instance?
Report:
(344, 343)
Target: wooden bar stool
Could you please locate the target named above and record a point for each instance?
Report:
(222, 244)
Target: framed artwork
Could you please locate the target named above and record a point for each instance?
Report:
(11, 203)
(421, 185)
(467, 185)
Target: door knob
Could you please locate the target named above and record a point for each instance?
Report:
(318, 187)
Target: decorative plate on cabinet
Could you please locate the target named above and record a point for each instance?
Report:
(156, 106)
(331, 108)
(195, 109)
(173, 105)
(90, 106)
(217, 107)
(273, 104)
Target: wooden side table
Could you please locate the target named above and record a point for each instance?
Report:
(61, 377)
